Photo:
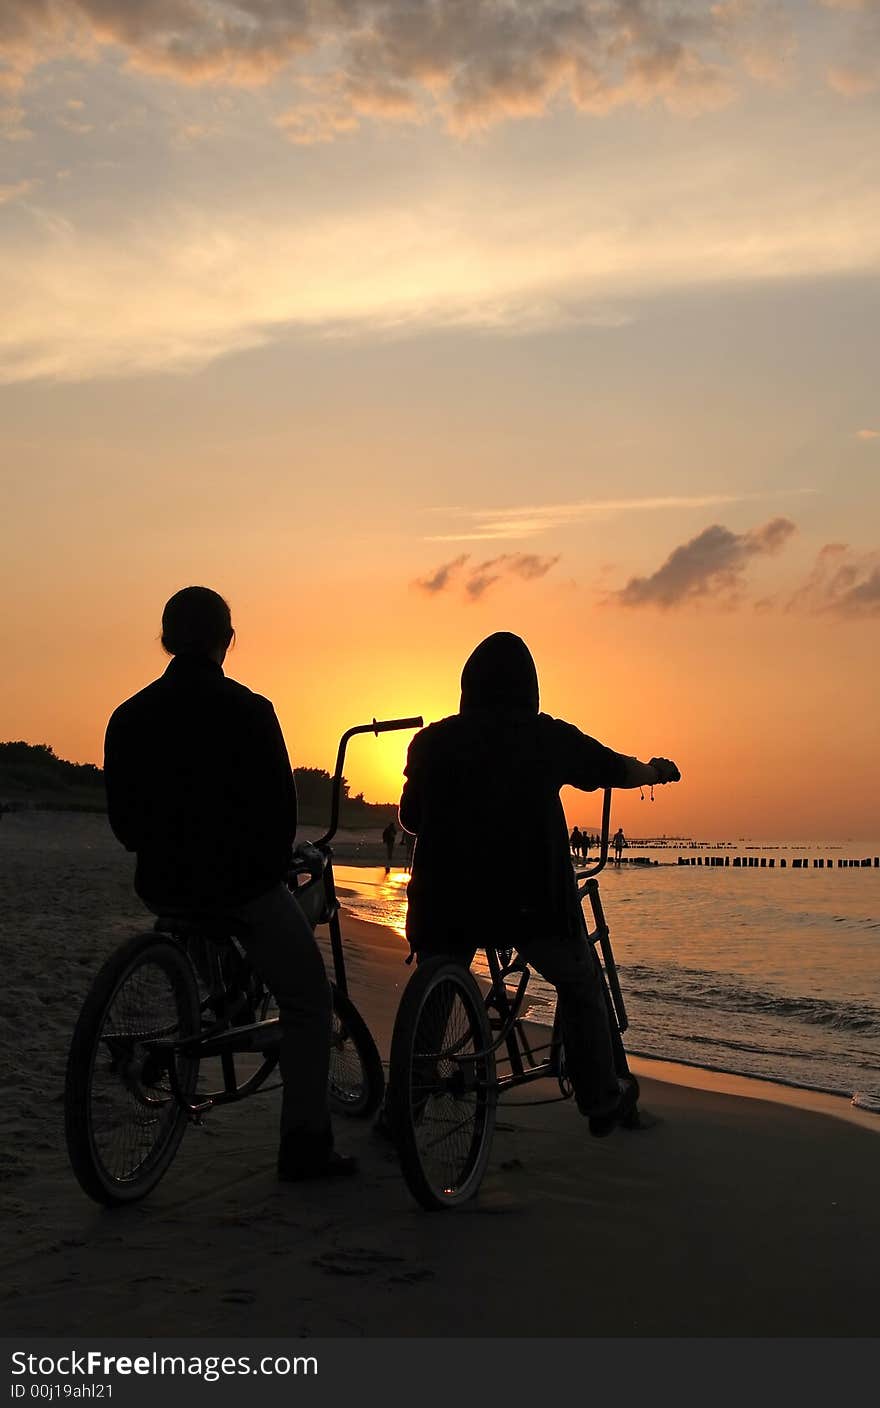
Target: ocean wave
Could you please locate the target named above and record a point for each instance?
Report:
(707, 990)
(730, 1043)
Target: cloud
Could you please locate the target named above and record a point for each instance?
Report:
(14, 190)
(854, 80)
(481, 576)
(842, 583)
(172, 283)
(858, 75)
(12, 122)
(868, 434)
(711, 565)
(525, 522)
(472, 62)
(525, 565)
(440, 578)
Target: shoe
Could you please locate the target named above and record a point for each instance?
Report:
(309, 1153)
(624, 1113)
(381, 1127)
(327, 1165)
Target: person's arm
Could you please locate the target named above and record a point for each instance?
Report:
(273, 776)
(650, 774)
(119, 785)
(587, 764)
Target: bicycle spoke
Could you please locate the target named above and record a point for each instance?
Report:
(132, 1107)
(447, 1120)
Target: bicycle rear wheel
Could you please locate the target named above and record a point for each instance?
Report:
(357, 1081)
(442, 1092)
(122, 1121)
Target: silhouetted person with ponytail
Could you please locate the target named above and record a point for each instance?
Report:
(199, 785)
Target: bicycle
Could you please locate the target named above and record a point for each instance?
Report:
(180, 993)
(444, 1082)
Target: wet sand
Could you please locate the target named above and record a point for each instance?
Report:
(745, 1209)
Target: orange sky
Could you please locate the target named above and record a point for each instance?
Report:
(578, 341)
(751, 707)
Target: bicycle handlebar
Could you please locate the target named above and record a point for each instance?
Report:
(603, 842)
(376, 727)
(389, 725)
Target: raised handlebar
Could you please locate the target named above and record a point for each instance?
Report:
(376, 727)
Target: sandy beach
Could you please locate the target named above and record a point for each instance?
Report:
(745, 1209)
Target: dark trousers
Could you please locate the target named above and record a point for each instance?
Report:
(280, 944)
(571, 965)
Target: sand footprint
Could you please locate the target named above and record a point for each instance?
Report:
(358, 1261)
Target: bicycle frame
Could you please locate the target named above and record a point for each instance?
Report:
(323, 843)
(507, 1020)
(224, 1038)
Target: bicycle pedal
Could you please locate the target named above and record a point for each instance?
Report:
(196, 1113)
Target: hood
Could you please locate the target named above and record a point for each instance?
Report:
(500, 675)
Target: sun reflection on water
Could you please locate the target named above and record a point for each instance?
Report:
(379, 896)
(375, 894)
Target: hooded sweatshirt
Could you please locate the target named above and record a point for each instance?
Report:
(492, 862)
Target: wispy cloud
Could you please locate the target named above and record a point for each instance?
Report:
(478, 577)
(842, 582)
(440, 578)
(498, 524)
(868, 434)
(171, 288)
(711, 566)
(858, 73)
(14, 190)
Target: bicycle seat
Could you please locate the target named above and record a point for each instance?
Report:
(193, 925)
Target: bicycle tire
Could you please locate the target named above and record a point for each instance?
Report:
(124, 1101)
(357, 1082)
(442, 1119)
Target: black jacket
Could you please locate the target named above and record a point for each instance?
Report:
(199, 784)
(492, 863)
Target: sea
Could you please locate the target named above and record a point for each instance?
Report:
(762, 971)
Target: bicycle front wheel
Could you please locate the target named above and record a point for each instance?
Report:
(442, 1093)
(357, 1081)
(122, 1120)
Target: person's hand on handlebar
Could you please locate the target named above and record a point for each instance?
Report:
(665, 769)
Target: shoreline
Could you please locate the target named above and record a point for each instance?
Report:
(798, 1097)
(722, 1216)
(697, 1077)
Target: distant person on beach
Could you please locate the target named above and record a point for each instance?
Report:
(585, 846)
(500, 763)
(199, 785)
(389, 836)
(574, 842)
(618, 841)
(407, 843)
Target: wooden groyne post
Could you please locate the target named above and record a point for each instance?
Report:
(769, 862)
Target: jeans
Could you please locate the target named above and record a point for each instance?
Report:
(281, 946)
(571, 965)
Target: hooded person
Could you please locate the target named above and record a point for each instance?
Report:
(495, 770)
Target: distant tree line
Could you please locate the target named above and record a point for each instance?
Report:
(313, 790)
(32, 772)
